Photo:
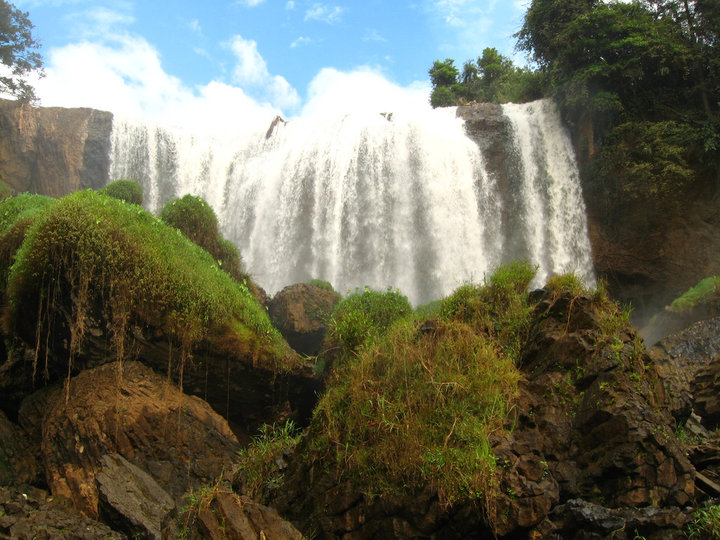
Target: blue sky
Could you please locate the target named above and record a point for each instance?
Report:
(163, 59)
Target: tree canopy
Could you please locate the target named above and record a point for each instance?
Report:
(493, 77)
(18, 53)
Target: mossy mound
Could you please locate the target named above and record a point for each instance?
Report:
(90, 258)
(129, 191)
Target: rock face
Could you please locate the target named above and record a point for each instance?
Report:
(135, 413)
(590, 422)
(18, 458)
(301, 313)
(688, 364)
(52, 150)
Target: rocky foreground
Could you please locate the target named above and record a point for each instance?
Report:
(603, 440)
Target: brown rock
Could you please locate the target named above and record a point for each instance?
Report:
(52, 150)
(128, 410)
(19, 458)
(301, 313)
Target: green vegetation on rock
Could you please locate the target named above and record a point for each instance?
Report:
(364, 316)
(196, 219)
(415, 406)
(126, 190)
(89, 256)
(705, 292)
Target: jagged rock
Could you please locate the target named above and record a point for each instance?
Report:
(130, 500)
(301, 313)
(129, 410)
(582, 520)
(29, 513)
(705, 391)
(19, 462)
(52, 150)
(223, 514)
(590, 422)
(685, 362)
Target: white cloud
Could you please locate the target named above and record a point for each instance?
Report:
(125, 76)
(251, 71)
(324, 13)
(302, 40)
(290, 5)
(194, 26)
(362, 90)
(250, 3)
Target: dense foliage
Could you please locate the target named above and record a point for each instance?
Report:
(492, 78)
(639, 83)
(18, 52)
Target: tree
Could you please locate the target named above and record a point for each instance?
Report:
(18, 53)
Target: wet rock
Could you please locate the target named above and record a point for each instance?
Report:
(128, 410)
(301, 313)
(130, 500)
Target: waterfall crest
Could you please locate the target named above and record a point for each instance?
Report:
(384, 200)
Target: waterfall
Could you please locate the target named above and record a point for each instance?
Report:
(403, 200)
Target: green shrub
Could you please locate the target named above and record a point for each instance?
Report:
(194, 218)
(5, 190)
(566, 283)
(119, 261)
(705, 292)
(499, 307)
(416, 409)
(129, 191)
(364, 316)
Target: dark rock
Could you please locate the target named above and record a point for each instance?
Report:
(223, 514)
(52, 150)
(301, 313)
(19, 459)
(129, 410)
(29, 513)
(578, 519)
(687, 362)
(130, 500)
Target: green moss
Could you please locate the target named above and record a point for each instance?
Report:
(363, 316)
(126, 190)
(705, 292)
(416, 409)
(119, 261)
(197, 220)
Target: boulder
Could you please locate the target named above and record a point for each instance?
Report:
(127, 409)
(301, 313)
(130, 500)
(222, 514)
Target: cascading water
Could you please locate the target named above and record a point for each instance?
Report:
(384, 200)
